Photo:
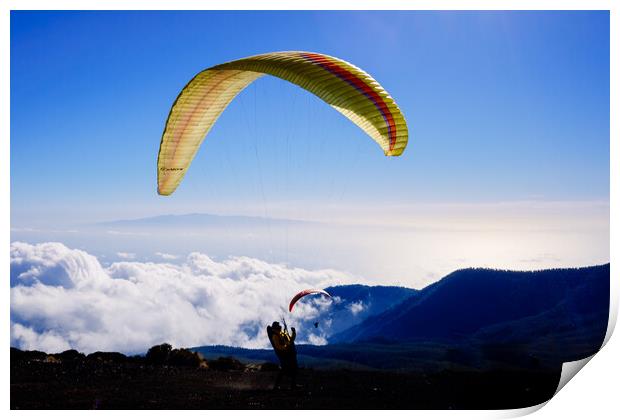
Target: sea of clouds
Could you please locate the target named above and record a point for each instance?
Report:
(64, 298)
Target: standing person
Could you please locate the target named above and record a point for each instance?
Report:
(284, 346)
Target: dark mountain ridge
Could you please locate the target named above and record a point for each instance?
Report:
(568, 305)
(473, 318)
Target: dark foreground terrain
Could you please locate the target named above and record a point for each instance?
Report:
(113, 381)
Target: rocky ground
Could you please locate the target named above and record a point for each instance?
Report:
(116, 382)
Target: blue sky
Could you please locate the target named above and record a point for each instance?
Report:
(507, 163)
(502, 106)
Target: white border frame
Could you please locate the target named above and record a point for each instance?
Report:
(592, 394)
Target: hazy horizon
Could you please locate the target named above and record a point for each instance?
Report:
(427, 242)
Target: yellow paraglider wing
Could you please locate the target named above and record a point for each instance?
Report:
(345, 87)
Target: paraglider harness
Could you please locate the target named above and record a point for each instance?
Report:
(289, 340)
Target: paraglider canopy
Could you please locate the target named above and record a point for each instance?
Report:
(306, 293)
(347, 88)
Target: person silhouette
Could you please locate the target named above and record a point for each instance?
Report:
(284, 346)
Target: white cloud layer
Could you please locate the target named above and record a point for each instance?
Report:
(64, 298)
(165, 256)
(356, 307)
(126, 255)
